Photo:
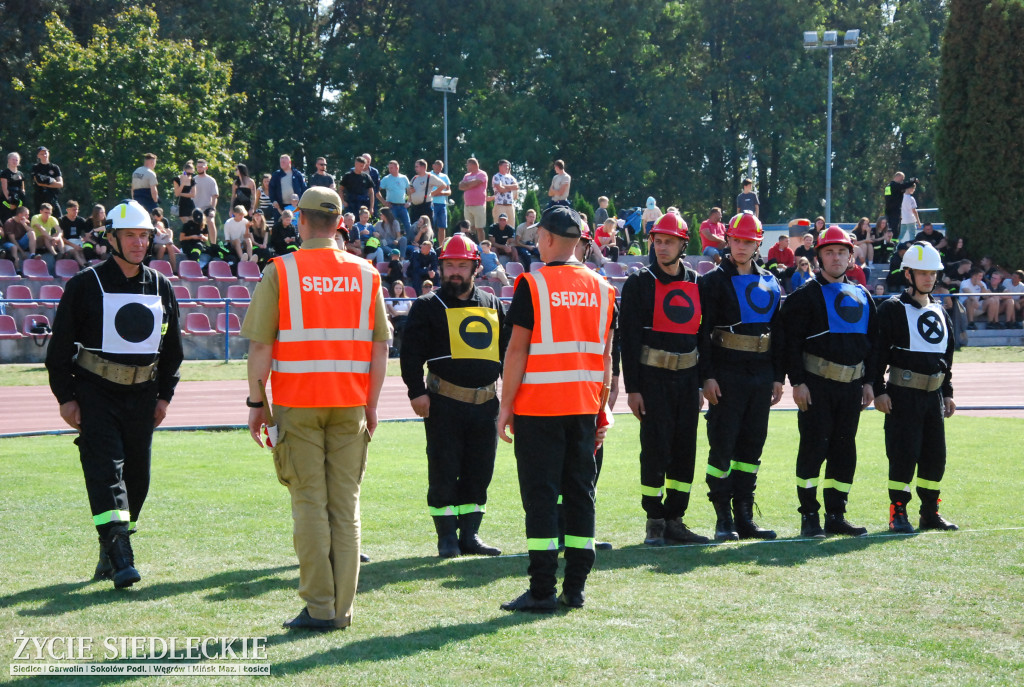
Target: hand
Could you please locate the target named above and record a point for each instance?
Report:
(802, 396)
(505, 421)
(700, 400)
(371, 420)
(883, 403)
(948, 407)
(776, 392)
(711, 391)
(257, 418)
(71, 414)
(160, 413)
(613, 395)
(636, 405)
(867, 396)
(421, 405)
(599, 437)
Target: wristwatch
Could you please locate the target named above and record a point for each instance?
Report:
(251, 404)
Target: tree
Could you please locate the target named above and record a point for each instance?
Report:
(125, 93)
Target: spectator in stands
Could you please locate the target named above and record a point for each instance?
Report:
(427, 286)
(195, 236)
(1005, 305)
(882, 245)
(284, 237)
(144, 183)
(19, 239)
(474, 198)
(863, 247)
(806, 250)
(236, 234)
(363, 227)
(320, 177)
(260, 234)
(506, 190)
(490, 268)
(207, 192)
(801, 274)
(398, 313)
(502, 234)
(74, 227)
(348, 235)
(374, 175)
(357, 187)
(185, 192)
(266, 204)
(606, 232)
(47, 229)
(588, 251)
(895, 280)
(747, 201)
(422, 266)
(440, 192)
(243, 189)
(973, 303)
(526, 239)
(389, 231)
(817, 228)
(420, 199)
(781, 260)
(424, 231)
(558, 191)
(394, 192)
(930, 235)
(285, 183)
(396, 270)
(163, 241)
(12, 187)
(48, 181)
(1016, 286)
(95, 243)
(988, 266)
(957, 253)
(910, 221)
(712, 234)
(651, 214)
(601, 213)
(855, 273)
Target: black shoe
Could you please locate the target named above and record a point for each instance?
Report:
(725, 530)
(469, 538)
(304, 621)
(931, 520)
(571, 599)
(971, 327)
(528, 602)
(810, 526)
(655, 535)
(746, 528)
(898, 521)
(676, 532)
(447, 536)
(118, 548)
(104, 570)
(836, 523)
(603, 545)
(363, 558)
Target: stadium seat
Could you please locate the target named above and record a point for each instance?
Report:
(384, 291)
(233, 324)
(50, 292)
(220, 271)
(65, 269)
(239, 295)
(36, 269)
(507, 291)
(189, 270)
(185, 299)
(7, 271)
(33, 320)
(164, 268)
(382, 267)
(590, 265)
(614, 269)
(20, 292)
(536, 265)
(208, 292)
(410, 292)
(513, 269)
(8, 329)
(249, 271)
(705, 266)
(486, 289)
(198, 324)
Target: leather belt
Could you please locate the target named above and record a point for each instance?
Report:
(117, 373)
(655, 357)
(742, 342)
(833, 371)
(915, 380)
(476, 396)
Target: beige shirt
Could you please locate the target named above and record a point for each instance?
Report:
(143, 177)
(563, 181)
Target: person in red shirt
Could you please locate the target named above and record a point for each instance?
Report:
(781, 260)
(712, 234)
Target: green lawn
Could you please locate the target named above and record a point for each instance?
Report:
(215, 552)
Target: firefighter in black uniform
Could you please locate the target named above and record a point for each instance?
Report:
(659, 322)
(456, 332)
(915, 342)
(113, 364)
(741, 373)
(830, 329)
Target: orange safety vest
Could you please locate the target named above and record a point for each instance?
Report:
(572, 309)
(321, 357)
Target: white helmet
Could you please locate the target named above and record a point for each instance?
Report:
(130, 214)
(922, 256)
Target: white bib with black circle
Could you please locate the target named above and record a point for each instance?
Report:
(132, 322)
(927, 326)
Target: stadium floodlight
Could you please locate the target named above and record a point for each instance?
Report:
(830, 38)
(811, 39)
(445, 84)
(852, 38)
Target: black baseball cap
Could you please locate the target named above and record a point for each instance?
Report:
(561, 221)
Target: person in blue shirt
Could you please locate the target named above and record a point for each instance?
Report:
(394, 191)
(490, 268)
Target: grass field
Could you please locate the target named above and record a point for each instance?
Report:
(215, 552)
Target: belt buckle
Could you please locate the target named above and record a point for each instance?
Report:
(907, 375)
(763, 341)
(478, 394)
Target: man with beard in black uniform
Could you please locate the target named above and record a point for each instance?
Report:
(113, 362)
(741, 373)
(829, 328)
(456, 332)
(660, 316)
(915, 343)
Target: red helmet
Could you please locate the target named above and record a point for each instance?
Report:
(459, 247)
(585, 234)
(672, 225)
(745, 226)
(834, 236)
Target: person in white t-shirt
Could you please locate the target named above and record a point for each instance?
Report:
(972, 303)
(236, 234)
(1016, 285)
(910, 221)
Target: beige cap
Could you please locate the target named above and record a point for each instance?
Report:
(321, 199)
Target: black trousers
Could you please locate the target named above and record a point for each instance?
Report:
(915, 437)
(114, 447)
(555, 456)
(737, 429)
(828, 432)
(462, 439)
(668, 440)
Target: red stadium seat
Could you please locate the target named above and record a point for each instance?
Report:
(181, 293)
(507, 291)
(33, 320)
(536, 265)
(164, 268)
(65, 269)
(614, 269)
(486, 289)
(410, 292)
(36, 269)
(50, 292)
(239, 295)
(233, 324)
(20, 292)
(7, 271)
(220, 271)
(705, 266)
(189, 270)
(198, 324)
(513, 269)
(8, 328)
(249, 271)
(208, 292)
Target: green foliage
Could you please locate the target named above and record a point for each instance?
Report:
(611, 207)
(530, 202)
(581, 205)
(981, 129)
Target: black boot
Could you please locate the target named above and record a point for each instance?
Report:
(724, 529)
(104, 571)
(469, 539)
(746, 528)
(898, 521)
(122, 559)
(530, 603)
(810, 526)
(931, 520)
(655, 532)
(836, 523)
(676, 532)
(447, 537)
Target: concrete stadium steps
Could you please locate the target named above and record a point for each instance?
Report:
(995, 337)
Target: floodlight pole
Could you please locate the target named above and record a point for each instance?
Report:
(446, 168)
(828, 148)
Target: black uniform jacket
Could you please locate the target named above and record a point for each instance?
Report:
(893, 345)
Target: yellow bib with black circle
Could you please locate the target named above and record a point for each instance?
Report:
(473, 333)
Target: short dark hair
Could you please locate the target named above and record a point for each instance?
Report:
(149, 156)
(747, 182)
(560, 164)
(976, 270)
(360, 158)
(464, 225)
(71, 204)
